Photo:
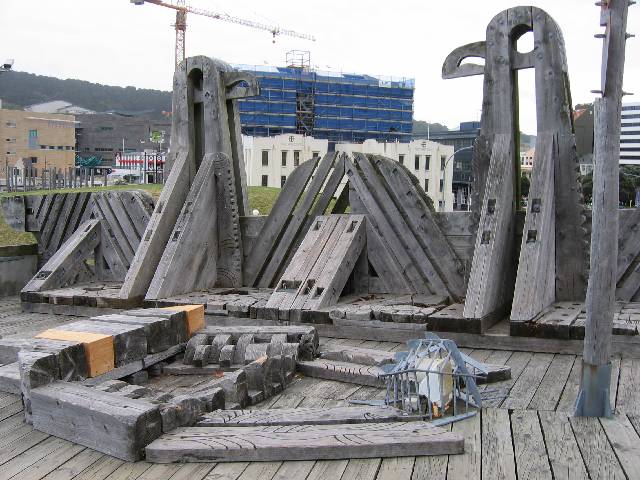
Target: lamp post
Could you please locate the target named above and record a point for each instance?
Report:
(444, 170)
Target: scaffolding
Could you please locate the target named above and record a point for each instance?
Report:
(340, 107)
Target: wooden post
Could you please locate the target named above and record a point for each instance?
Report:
(593, 398)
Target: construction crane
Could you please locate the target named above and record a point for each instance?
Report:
(181, 23)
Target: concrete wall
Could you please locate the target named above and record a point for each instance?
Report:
(17, 266)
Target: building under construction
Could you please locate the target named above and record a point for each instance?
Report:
(339, 107)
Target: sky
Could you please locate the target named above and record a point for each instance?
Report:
(114, 42)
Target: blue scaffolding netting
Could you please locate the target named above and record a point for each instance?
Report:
(335, 106)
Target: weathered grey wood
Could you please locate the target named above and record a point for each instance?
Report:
(529, 446)
(597, 453)
(383, 228)
(130, 341)
(535, 287)
(498, 459)
(70, 356)
(553, 383)
(562, 449)
(303, 442)
(121, 214)
(414, 203)
(468, 464)
(277, 221)
(159, 331)
(63, 266)
(342, 371)
(490, 280)
(10, 378)
(159, 228)
(552, 94)
(189, 261)
(399, 226)
(364, 356)
(295, 275)
(230, 255)
(330, 281)
(50, 221)
(82, 200)
(178, 319)
(594, 396)
(106, 422)
(103, 209)
(526, 385)
(303, 416)
(274, 265)
(625, 441)
(62, 224)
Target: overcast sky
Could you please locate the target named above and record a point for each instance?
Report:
(114, 42)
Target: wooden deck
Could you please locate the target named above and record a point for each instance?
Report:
(529, 434)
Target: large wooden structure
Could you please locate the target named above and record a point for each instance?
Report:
(553, 254)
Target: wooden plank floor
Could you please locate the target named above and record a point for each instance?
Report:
(529, 434)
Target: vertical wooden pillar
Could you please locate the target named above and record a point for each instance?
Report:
(593, 398)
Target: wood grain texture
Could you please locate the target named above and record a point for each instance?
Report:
(304, 442)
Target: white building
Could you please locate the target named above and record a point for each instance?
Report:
(526, 161)
(270, 160)
(630, 134)
(431, 162)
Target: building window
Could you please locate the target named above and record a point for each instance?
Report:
(33, 139)
(284, 158)
(283, 180)
(417, 163)
(442, 185)
(104, 129)
(11, 140)
(296, 158)
(265, 180)
(426, 184)
(440, 204)
(34, 160)
(265, 158)
(427, 162)
(316, 154)
(401, 159)
(10, 124)
(443, 162)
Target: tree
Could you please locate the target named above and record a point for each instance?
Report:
(629, 182)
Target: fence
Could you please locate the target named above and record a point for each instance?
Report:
(29, 178)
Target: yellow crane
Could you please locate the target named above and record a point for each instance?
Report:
(181, 23)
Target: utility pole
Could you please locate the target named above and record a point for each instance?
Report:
(593, 398)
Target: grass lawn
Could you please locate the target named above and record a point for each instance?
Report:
(260, 198)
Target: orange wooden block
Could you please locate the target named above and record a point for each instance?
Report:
(98, 348)
(195, 316)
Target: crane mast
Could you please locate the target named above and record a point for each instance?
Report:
(182, 9)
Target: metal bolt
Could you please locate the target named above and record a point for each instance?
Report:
(597, 91)
(629, 35)
(599, 35)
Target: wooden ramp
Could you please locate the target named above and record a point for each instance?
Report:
(303, 442)
(303, 416)
(320, 268)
